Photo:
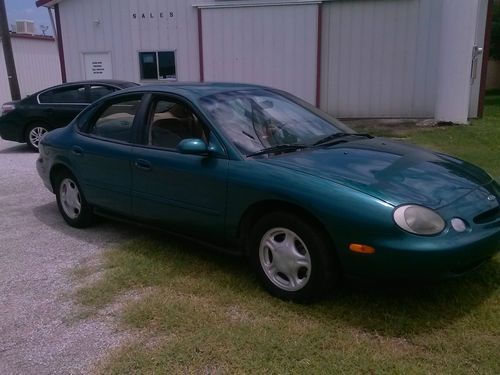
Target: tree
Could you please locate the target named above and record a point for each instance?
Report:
(495, 32)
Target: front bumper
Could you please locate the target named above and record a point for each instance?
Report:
(432, 258)
(42, 167)
(406, 256)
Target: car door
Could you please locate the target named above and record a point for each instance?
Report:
(102, 154)
(59, 106)
(185, 193)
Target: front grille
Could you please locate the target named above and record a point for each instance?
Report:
(488, 216)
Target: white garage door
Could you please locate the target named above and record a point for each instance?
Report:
(270, 45)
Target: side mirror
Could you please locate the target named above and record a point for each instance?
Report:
(193, 146)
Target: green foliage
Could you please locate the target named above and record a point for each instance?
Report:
(495, 32)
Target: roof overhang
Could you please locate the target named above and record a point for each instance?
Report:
(253, 3)
(46, 3)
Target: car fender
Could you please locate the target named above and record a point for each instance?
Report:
(338, 209)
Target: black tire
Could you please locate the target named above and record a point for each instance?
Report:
(310, 246)
(71, 203)
(34, 133)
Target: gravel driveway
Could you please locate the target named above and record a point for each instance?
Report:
(37, 253)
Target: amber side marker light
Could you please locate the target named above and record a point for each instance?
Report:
(360, 248)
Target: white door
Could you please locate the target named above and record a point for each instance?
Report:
(477, 58)
(97, 65)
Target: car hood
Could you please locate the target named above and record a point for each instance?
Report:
(394, 172)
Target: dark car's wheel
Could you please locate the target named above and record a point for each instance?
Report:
(293, 259)
(34, 134)
(72, 204)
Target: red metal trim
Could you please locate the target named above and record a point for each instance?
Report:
(60, 43)
(200, 45)
(486, 54)
(41, 3)
(36, 37)
(318, 58)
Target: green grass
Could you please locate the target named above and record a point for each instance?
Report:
(204, 312)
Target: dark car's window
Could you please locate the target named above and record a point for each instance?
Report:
(116, 121)
(98, 91)
(64, 95)
(171, 122)
(255, 119)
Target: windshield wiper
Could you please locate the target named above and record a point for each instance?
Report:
(337, 136)
(278, 148)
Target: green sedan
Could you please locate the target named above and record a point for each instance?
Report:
(258, 172)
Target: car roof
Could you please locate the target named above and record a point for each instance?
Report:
(113, 82)
(194, 89)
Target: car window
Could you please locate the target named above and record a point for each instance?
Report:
(116, 121)
(64, 95)
(98, 91)
(171, 122)
(256, 119)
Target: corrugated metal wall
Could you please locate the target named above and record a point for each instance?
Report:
(379, 58)
(37, 66)
(273, 45)
(109, 26)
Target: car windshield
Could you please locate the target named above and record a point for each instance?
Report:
(258, 119)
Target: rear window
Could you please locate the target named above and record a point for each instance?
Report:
(98, 91)
(64, 95)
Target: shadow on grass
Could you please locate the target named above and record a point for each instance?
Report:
(402, 310)
(413, 308)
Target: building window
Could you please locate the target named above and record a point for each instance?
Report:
(157, 65)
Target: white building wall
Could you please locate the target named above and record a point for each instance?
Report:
(92, 26)
(272, 45)
(458, 35)
(37, 66)
(379, 58)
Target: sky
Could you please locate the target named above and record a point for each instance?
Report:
(27, 10)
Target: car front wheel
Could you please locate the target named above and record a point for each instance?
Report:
(34, 135)
(71, 203)
(293, 258)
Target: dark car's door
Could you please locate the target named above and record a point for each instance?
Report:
(61, 105)
(102, 154)
(185, 193)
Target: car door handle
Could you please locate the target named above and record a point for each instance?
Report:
(77, 150)
(142, 164)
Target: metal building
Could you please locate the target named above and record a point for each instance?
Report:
(352, 58)
(37, 65)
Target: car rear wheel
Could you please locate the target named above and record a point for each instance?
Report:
(293, 259)
(71, 203)
(34, 134)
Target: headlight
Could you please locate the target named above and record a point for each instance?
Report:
(418, 220)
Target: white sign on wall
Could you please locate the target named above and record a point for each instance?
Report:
(97, 65)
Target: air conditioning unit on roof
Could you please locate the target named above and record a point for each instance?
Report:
(25, 27)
